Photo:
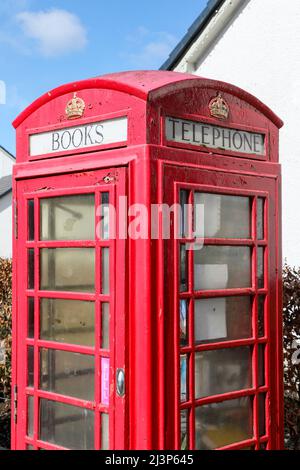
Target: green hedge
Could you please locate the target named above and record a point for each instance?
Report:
(5, 342)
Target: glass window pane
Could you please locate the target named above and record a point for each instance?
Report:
(260, 268)
(222, 371)
(221, 424)
(30, 366)
(30, 317)
(31, 219)
(261, 316)
(31, 268)
(68, 269)
(67, 373)
(262, 414)
(222, 267)
(67, 321)
(105, 216)
(105, 326)
(68, 218)
(224, 216)
(260, 218)
(30, 411)
(29, 447)
(184, 213)
(184, 378)
(222, 318)
(105, 270)
(183, 269)
(183, 307)
(184, 430)
(104, 431)
(66, 425)
(261, 365)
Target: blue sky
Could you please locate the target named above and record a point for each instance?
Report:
(45, 43)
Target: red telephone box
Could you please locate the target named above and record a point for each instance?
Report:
(165, 331)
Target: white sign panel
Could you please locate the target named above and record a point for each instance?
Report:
(215, 137)
(79, 137)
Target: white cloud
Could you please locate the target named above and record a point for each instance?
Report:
(150, 49)
(56, 31)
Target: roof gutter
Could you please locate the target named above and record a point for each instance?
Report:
(209, 35)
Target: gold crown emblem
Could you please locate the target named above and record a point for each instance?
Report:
(75, 107)
(218, 107)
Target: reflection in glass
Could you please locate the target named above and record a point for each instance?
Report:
(66, 425)
(68, 217)
(30, 411)
(262, 414)
(222, 319)
(67, 321)
(104, 431)
(260, 218)
(224, 423)
(222, 371)
(30, 366)
(30, 317)
(260, 268)
(261, 365)
(184, 213)
(105, 270)
(183, 322)
(222, 267)
(31, 220)
(105, 326)
(184, 430)
(183, 269)
(261, 316)
(224, 216)
(68, 269)
(105, 216)
(183, 378)
(31, 268)
(67, 373)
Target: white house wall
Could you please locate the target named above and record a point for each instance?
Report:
(259, 52)
(6, 226)
(6, 164)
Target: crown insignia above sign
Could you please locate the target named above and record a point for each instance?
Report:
(219, 108)
(75, 108)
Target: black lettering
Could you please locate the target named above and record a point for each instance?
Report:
(226, 138)
(63, 142)
(205, 134)
(79, 133)
(55, 141)
(216, 135)
(234, 140)
(248, 139)
(184, 131)
(258, 143)
(174, 122)
(99, 130)
(194, 135)
(87, 136)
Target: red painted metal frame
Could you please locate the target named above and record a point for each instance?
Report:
(61, 186)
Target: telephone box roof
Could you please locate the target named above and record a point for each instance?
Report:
(145, 84)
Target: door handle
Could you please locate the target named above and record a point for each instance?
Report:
(120, 382)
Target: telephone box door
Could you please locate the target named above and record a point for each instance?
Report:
(222, 307)
(70, 348)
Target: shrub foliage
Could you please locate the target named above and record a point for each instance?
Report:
(5, 344)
